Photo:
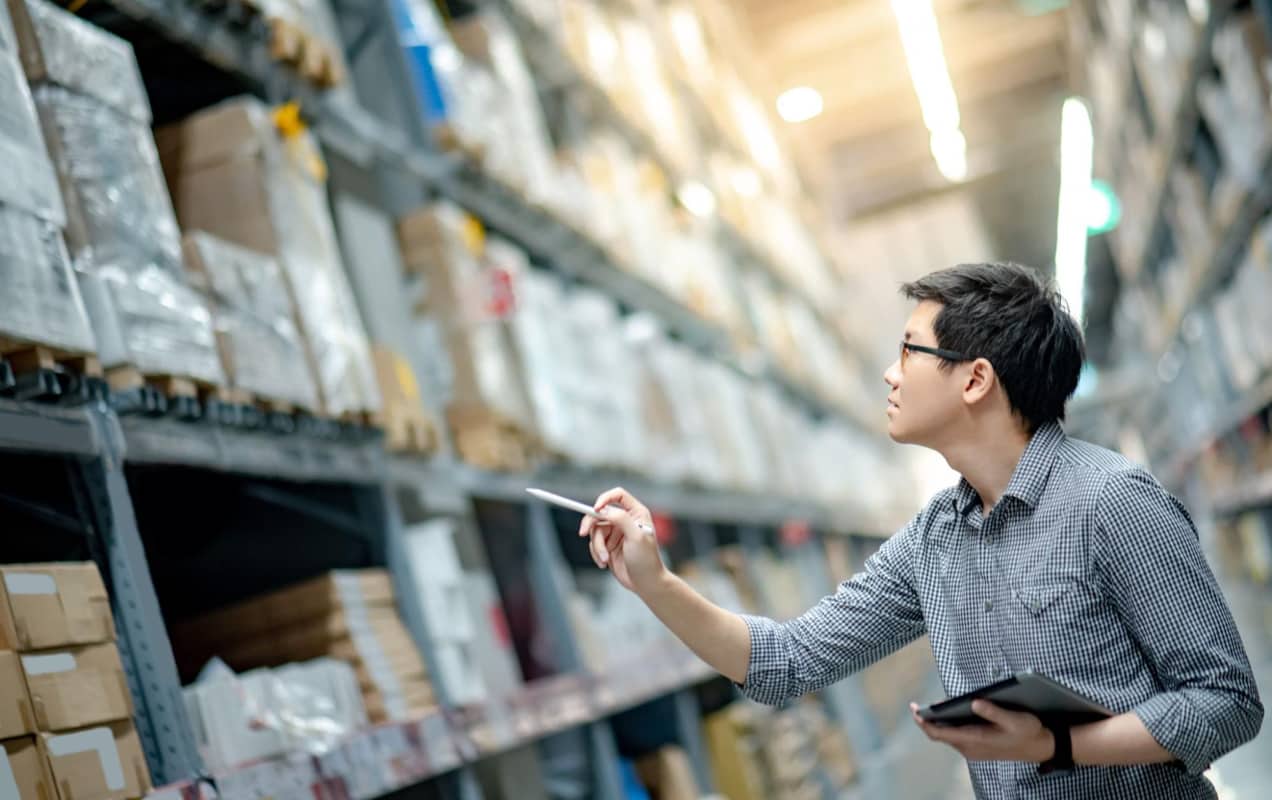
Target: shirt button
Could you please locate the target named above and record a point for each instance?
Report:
(989, 605)
(998, 672)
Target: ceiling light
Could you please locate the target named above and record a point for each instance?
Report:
(799, 104)
(1077, 145)
(925, 57)
(697, 198)
(949, 148)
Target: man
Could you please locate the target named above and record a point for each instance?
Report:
(1050, 554)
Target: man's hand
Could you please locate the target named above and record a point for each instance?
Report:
(623, 541)
(1005, 736)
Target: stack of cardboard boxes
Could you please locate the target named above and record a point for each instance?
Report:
(345, 614)
(66, 715)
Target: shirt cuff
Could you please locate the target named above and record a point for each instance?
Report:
(767, 673)
(1180, 729)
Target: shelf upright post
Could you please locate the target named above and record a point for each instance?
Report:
(102, 495)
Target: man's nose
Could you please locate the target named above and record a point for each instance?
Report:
(892, 375)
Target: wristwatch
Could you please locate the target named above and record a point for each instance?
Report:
(1062, 758)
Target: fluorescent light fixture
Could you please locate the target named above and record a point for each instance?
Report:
(697, 198)
(746, 182)
(925, 56)
(799, 104)
(949, 148)
(1077, 145)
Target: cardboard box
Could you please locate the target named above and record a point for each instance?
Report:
(43, 606)
(24, 774)
(16, 714)
(77, 688)
(310, 600)
(102, 763)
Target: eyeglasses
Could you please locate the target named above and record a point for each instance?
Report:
(948, 355)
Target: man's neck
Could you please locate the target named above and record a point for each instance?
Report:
(987, 461)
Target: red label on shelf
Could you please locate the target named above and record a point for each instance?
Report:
(664, 528)
(796, 532)
(499, 624)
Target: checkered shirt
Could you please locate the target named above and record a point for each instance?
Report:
(1087, 571)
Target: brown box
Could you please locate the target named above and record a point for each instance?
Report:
(77, 688)
(31, 777)
(44, 606)
(102, 763)
(265, 614)
(667, 774)
(16, 714)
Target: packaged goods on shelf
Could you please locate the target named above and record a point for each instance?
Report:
(122, 773)
(733, 428)
(667, 773)
(612, 625)
(31, 184)
(1236, 105)
(307, 707)
(46, 306)
(255, 321)
(526, 151)
(121, 232)
(408, 425)
(497, 665)
(235, 173)
(303, 34)
(734, 752)
(1166, 42)
(471, 302)
(345, 614)
(443, 602)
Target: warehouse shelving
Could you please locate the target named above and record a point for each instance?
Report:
(130, 504)
(1203, 275)
(243, 51)
(549, 58)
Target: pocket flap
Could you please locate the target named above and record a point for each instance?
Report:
(1037, 599)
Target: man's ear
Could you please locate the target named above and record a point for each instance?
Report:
(981, 380)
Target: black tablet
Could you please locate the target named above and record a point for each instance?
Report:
(1025, 691)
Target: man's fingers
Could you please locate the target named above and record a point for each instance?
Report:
(992, 713)
(618, 496)
(599, 552)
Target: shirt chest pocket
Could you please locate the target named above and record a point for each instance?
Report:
(1040, 600)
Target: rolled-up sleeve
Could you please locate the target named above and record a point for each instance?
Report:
(1147, 550)
(871, 615)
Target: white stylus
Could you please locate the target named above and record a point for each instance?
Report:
(574, 505)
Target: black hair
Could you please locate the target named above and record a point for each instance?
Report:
(1015, 319)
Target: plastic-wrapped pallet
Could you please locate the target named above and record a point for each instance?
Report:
(121, 232)
(44, 301)
(261, 349)
(242, 174)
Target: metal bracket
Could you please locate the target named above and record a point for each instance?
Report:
(45, 514)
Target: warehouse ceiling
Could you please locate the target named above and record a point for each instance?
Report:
(869, 150)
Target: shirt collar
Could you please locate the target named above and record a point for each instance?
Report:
(1030, 476)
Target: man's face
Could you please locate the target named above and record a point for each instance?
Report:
(925, 399)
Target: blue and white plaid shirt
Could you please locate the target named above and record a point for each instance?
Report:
(1087, 571)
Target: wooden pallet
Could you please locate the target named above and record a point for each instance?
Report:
(409, 435)
(487, 439)
(25, 357)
